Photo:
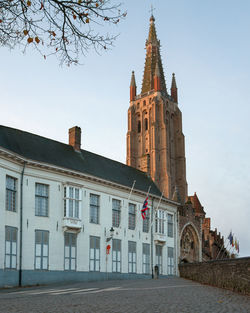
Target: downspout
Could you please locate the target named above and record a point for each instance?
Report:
(152, 239)
(177, 246)
(21, 227)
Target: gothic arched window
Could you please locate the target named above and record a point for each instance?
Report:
(139, 126)
(146, 124)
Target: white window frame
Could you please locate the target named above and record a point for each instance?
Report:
(70, 252)
(42, 250)
(10, 248)
(132, 257)
(131, 216)
(94, 254)
(11, 194)
(158, 257)
(170, 225)
(146, 258)
(72, 202)
(146, 223)
(116, 255)
(160, 221)
(94, 208)
(170, 261)
(41, 200)
(116, 213)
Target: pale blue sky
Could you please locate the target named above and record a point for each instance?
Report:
(207, 45)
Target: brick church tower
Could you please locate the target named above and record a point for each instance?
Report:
(155, 142)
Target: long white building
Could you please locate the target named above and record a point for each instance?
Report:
(67, 214)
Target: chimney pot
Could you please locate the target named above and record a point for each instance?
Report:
(75, 138)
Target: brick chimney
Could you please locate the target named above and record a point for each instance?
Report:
(75, 138)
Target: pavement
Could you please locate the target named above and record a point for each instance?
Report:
(170, 295)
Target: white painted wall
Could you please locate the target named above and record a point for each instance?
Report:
(54, 222)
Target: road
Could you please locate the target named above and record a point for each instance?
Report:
(173, 295)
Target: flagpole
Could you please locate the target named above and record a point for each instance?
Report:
(222, 248)
(157, 207)
(131, 189)
(137, 215)
(148, 190)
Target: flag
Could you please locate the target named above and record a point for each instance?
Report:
(230, 238)
(238, 246)
(144, 208)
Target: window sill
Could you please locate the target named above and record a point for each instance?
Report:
(41, 215)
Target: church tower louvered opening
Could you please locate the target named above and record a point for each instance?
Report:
(155, 142)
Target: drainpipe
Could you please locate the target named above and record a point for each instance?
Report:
(21, 227)
(177, 246)
(152, 239)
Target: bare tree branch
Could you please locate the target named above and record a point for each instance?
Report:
(65, 28)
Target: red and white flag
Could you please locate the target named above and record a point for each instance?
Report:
(144, 209)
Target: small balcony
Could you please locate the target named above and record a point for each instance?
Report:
(160, 237)
(72, 224)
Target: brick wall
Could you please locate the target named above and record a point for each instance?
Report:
(233, 274)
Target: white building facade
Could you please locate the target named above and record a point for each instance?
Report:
(63, 223)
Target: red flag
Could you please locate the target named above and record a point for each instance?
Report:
(144, 208)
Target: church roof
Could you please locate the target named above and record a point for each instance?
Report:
(153, 57)
(41, 149)
(196, 204)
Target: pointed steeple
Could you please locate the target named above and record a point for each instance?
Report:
(152, 37)
(174, 89)
(153, 57)
(132, 87)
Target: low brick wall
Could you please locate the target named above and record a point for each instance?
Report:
(233, 274)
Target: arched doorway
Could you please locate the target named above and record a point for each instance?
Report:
(189, 245)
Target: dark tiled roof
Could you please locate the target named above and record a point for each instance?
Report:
(52, 152)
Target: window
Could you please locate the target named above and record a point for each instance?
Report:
(131, 215)
(170, 261)
(159, 221)
(146, 124)
(116, 212)
(70, 251)
(159, 257)
(132, 257)
(41, 249)
(94, 208)
(71, 202)
(145, 223)
(10, 247)
(116, 255)
(139, 127)
(42, 200)
(94, 255)
(146, 258)
(170, 226)
(11, 193)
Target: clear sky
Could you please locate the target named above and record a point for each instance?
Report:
(206, 44)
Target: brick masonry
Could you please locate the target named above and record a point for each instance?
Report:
(233, 274)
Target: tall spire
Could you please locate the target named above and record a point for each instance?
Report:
(132, 87)
(153, 57)
(174, 89)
